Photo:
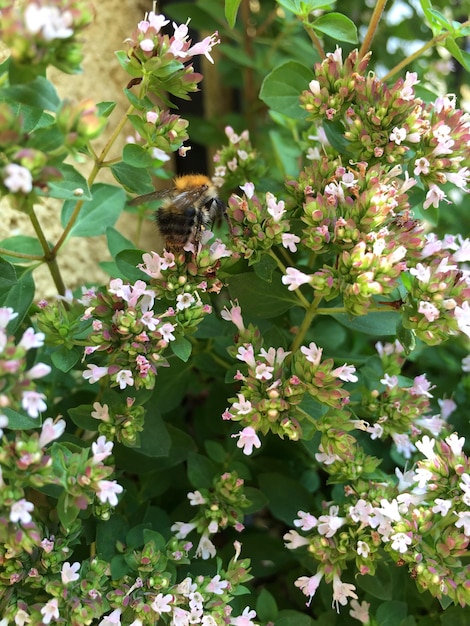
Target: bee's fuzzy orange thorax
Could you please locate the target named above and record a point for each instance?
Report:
(190, 181)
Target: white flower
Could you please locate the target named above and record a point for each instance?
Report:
(50, 611)
(94, 373)
(206, 548)
(101, 449)
(244, 619)
(124, 379)
(161, 603)
(248, 439)
(341, 593)
(184, 301)
(113, 619)
(69, 573)
(294, 278)
(400, 542)
(51, 431)
(108, 491)
(17, 178)
(20, 511)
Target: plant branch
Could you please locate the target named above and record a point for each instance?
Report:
(373, 24)
(50, 256)
(306, 323)
(20, 255)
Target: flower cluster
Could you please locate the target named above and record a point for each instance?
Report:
(165, 61)
(17, 379)
(390, 124)
(219, 508)
(237, 162)
(439, 290)
(43, 33)
(422, 522)
(362, 214)
(274, 383)
(23, 169)
(160, 133)
(259, 225)
(119, 419)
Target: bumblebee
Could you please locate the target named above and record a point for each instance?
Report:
(189, 207)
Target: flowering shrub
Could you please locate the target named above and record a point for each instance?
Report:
(256, 428)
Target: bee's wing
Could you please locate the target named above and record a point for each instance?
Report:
(187, 198)
(150, 197)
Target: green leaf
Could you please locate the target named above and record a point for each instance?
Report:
(7, 274)
(337, 26)
(38, 93)
(265, 268)
(182, 348)
(64, 358)
(380, 585)
(98, 214)
(286, 153)
(20, 421)
(136, 156)
(117, 242)
(127, 262)
(72, 185)
(257, 297)
(462, 56)
(375, 324)
(266, 607)
(81, 417)
(294, 618)
(282, 87)
(155, 440)
(66, 510)
(334, 132)
(231, 10)
(133, 179)
(106, 108)
(391, 613)
(108, 534)
(285, 496)
(170, 382)
(22, 244)
(201, 470)
(304, 7)
(19, 297)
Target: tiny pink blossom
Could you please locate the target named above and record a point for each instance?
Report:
(247, 355)
(205, 549)
(313, 353)
(294, 278)
(50, 611)
(196, 498)
(243, 406)
(216, 585)
(233, 315)
(113, 619)
(161, 603)
(6, 315)
(108, 491)
(248, 439)
(38, 371)
(94, 373)
(147, 45)
(124, 379)
(31, 339)
(346, 373)
(275, 209)
(289, 241)
(341, 593)
(51, 431)
(17, 178)
(249, 190)
(33, 403)
(21, 511)
(101, 412)
(308, 585)
(101, 449)
(306, 521)
(245, 619)
(429, 310)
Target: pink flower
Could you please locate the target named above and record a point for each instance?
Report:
(341, 593)
(346, 373)
(306, 521)
(108, 491)
(247, 355)
(101, 412)
(113, 619)
(31, 339)
(242, 407)
(101, 449)
(51, 431)
(289, 241)
(245, 619)
(124, 379)
(233, 315)
(6, 315)
(94, 373)
(294, 278)
(205, 549)
(17, 178)
(248, 188)
(205, 46)
(247, 440)
(38, 371)
(434, 196)
(275, 209)
(308, 585)
(20, 511)
(462, 315)
(312, 353)
(166, 332)
(50, 611)
(33, 403)
(161, 603)
(216, 585)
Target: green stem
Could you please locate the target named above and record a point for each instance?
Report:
(50, 256)
(20, 255)
(342, 309)
(306, 323)
(373, 24)
(430, 44)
